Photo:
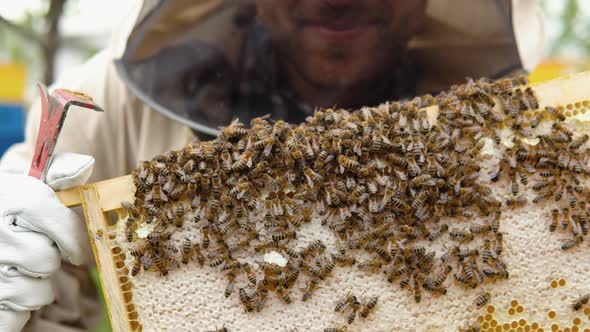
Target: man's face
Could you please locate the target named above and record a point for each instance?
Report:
(340, 44)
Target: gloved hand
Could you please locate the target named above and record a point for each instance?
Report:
(36, 232)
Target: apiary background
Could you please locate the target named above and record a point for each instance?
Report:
(11, 108)
(191, 298)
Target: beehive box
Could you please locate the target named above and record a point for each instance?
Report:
(542, 285)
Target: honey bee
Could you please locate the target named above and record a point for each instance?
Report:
(348, 163)
(565, 222)
(578, 142)
(205, 234)
(283, 295)
(199, 254)
(160, 264)
(336, 329)
(132, 211)
(156, 237)
(129, 232)
(245, 161)
(475, 327)
(158, 195)
(554, 220)
(480, 229)
(351, 316)
(369, 306)
(136, 266)
(312, 285)
(417, 291)
(246, 300)
(464, 281)
(187, 250)
(482, 299)
(580, 302)
(518, 201)
(372, 265)
(234, 130)
(514, 187)
(313, 178)
(461, 236)
(316, 246)
(229, 289)
(569, 244)
(250, 275)
(464, 253)
(215, 261)
(279, 236)
(496, 221)
(344, 259)
(433, 235)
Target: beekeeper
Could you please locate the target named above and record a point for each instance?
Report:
(179, 69)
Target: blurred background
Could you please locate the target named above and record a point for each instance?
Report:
(39, 39)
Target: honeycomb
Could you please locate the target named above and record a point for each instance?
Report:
(170, 295)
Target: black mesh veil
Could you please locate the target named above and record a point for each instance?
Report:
(204, 63)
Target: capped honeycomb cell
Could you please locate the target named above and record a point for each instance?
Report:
(551, 314)
(519, 309)
(562, 282)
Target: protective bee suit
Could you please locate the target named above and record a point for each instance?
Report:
(177, 70)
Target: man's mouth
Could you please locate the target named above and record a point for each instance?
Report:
(335, 30)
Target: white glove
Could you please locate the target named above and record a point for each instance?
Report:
(36, 232)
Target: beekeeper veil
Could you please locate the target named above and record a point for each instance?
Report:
(204, 63)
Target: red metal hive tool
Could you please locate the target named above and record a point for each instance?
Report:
(54, 108)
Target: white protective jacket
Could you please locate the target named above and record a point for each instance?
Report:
(462, 38)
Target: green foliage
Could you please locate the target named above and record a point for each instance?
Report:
(16, 48)
(24, 40)
(574, 28)
(104, 325)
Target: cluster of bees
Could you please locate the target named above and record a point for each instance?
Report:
(559, 164)
(386, 181)
(351, 304)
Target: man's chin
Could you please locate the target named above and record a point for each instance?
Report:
(337, 75)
